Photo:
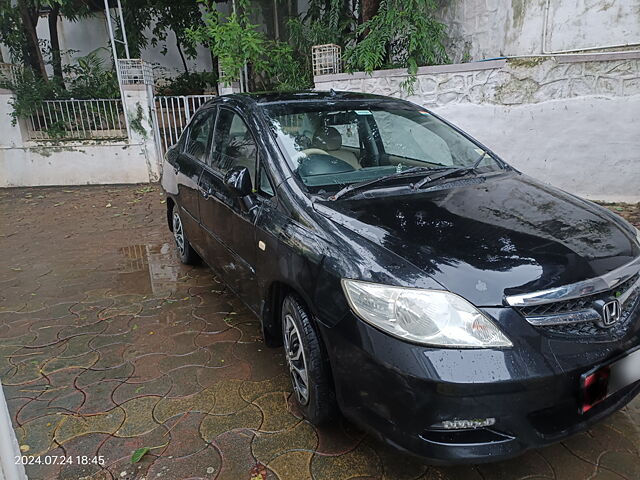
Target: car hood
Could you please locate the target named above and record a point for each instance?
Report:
(493, 236)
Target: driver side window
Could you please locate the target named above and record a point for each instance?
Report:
(233, 144)
(199, 133)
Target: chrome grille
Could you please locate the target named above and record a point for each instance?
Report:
(577, 317)
(577, 304)
(593, 331)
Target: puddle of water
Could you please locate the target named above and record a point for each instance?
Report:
(148, 269)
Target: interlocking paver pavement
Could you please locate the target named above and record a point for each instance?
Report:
(108, 344)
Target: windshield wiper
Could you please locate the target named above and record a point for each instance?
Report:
(450, 173)
(376, 181)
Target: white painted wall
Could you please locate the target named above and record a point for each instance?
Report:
(581, 24)
(29, 163)
(482, 29)
(587, 146)
(571, 121)
(75, 163)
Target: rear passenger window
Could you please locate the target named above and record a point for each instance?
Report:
(199, 133)
(233, 144)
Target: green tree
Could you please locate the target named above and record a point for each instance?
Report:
(138, 16)
(403, 33)
(326, 21)
(160, 18)
(19, 34)
(72, 10)
(177, 17)
(29, 14)
(12, 32)
(237, 43)
(374, 34)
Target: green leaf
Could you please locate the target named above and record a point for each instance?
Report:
(139, 453)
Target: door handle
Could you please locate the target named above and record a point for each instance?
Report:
(206, 192)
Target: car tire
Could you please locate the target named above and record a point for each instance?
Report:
(314, 394)
(185, 251)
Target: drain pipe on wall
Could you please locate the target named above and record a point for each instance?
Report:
(9, 450)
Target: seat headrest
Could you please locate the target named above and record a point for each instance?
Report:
(327, 138)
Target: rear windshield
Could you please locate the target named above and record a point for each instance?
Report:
(330, 145)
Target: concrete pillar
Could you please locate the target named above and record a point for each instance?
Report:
(11, 141)
(224, 89)
(137, 103)
(12, 135)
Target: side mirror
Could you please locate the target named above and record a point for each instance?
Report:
(238, 183)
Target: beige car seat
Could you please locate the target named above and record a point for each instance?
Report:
(330, 140)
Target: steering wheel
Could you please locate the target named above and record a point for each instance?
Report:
(318, 162)
(314, 151)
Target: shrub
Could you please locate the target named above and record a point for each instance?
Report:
(88, 78)
(237, 42)
(188, 83)
(404, 33)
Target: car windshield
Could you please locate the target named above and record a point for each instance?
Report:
(334, 144)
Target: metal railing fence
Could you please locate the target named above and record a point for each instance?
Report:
(172, 114)
(78, 120)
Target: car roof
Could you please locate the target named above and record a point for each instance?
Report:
(260, 98)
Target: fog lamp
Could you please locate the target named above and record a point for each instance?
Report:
(465, 424)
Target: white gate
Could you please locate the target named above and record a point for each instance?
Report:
(171, 116)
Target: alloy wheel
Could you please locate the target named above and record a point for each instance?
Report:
(178, 233)
(296, 360)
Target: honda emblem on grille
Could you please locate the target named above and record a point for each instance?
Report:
(610, 313)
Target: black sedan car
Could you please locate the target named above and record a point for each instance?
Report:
(436, 296)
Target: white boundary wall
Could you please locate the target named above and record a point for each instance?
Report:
(479, 29)
(572, 121)
(9, 469)
(31, 163)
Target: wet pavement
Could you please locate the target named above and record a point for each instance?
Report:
(108, 344)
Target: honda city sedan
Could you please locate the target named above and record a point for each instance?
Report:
(436, 296)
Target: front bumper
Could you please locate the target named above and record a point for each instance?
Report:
(399, 391)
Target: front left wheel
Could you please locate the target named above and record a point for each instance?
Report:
(185, 252)
(307, 362)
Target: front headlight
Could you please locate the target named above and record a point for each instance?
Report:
(427, 317)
